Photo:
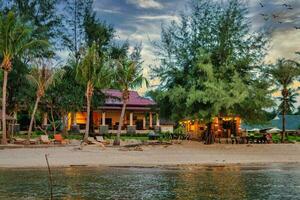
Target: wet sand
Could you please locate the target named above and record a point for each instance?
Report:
(188, 153)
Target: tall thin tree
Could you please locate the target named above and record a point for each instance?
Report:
(15, 41)
(285, 73)
(128, 75)
(93, 72)
(41, 77)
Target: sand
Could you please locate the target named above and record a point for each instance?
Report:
(187, 153)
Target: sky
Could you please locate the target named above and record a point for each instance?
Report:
(140, 21)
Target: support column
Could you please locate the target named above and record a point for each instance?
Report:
(45, 119)
(150, 120)
(75, 118)
(103, 128)
(103, 118)
(144, 123)
(157, 120)
(131, 119)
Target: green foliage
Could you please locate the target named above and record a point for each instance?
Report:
(16, 38)
(284, 73)
(179, 132)
(93, 69)
(97, 31)
(67, 94)
(20, 92)
(128, 71)
(211, 64)
(73, 21)
(44, 18)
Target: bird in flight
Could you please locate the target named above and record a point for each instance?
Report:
(262, 5)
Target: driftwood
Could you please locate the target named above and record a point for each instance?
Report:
(147, 143)
(50, 177)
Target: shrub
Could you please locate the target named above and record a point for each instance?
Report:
(179, 132)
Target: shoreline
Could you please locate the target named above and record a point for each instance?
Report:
(177, 156)
(186, 167)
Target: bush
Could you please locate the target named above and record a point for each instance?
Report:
(179, 132)
(166, 135)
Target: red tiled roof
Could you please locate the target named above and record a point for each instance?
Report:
(113, 97)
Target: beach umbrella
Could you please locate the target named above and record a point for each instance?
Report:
(273, 130)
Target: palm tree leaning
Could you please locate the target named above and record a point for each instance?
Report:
(128, 75)
(93, 72)
(42, 78)
(15, 41)
(285, 73)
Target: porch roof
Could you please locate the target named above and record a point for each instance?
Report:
(135, 108)
(114, 98)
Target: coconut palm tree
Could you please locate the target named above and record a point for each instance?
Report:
(93, 72)
(41, 78)
(15, 41)
(128, 75)
(285, 73)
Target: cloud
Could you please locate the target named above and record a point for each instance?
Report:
(110, 11)
(146, 3)
(284, 44)
(158, 17)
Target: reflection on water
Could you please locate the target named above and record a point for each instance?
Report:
(279, 182)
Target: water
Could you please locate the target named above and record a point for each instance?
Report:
(273, 182)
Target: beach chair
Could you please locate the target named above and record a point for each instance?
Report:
(34, 141)
(18, 141)
(45, 139)
(92, 140)
(100, 139)
(58, 139)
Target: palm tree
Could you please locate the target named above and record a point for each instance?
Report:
(42, 79)
(285, 73)
(15, 41)
(128, 75)
(93, 72)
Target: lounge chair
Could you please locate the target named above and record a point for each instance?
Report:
(100, 139)
(34, 141)
(92, 140)
(58, 138)
(45, 139)
(19, 140)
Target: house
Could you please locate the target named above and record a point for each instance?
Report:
(222, 127)
(12, 127)
(140, 117)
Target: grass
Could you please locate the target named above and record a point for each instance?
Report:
(277, 138)
(144, 137)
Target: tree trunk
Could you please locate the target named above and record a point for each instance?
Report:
(32, 117)
(91, 129)
(210, 136)
(73, 118)
(284, 109)
(65, 124)
(4, 87)
(53, 120)
(86, 134)
(117, 140)
(283, 126)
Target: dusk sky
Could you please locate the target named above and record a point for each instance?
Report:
(139, 21)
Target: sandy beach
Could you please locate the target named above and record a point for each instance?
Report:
(187, 153)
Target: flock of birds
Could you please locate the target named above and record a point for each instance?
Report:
(276, 16)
